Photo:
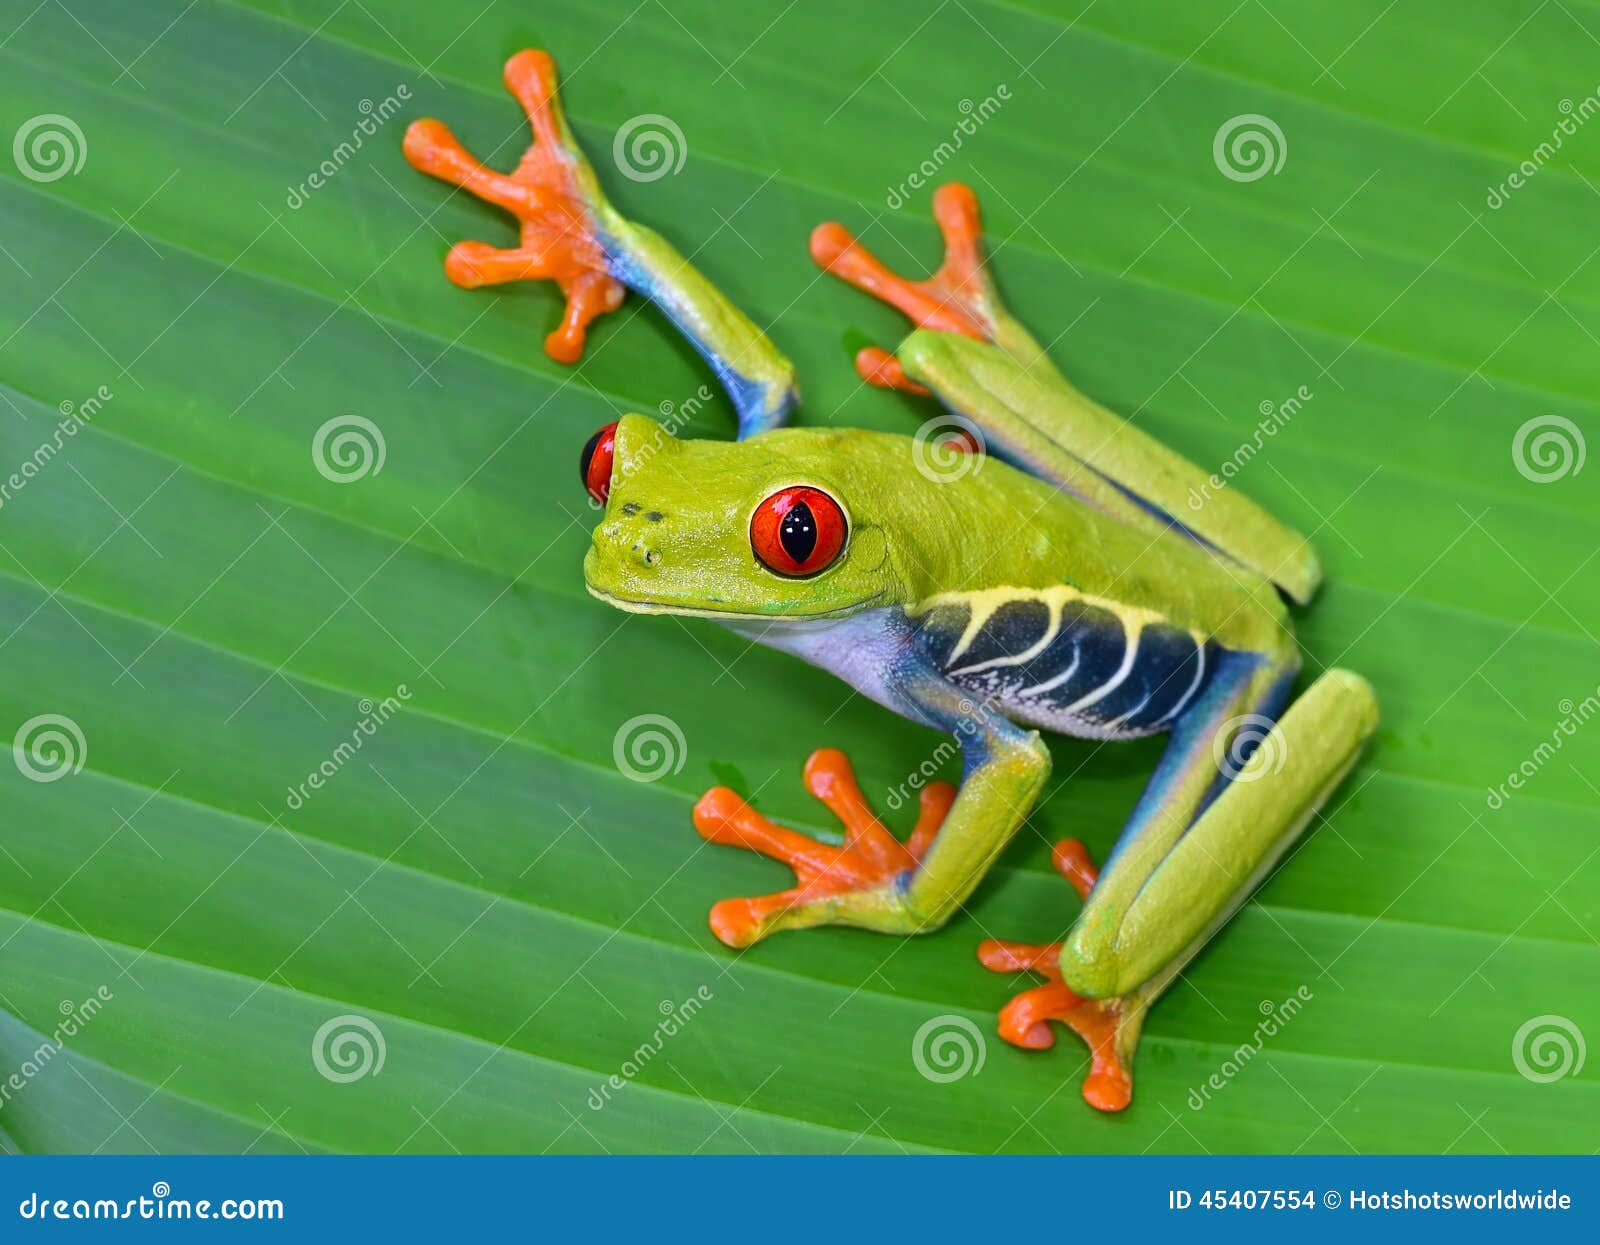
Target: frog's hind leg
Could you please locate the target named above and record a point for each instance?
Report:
(959, 298)
(971, 354)
(1109, 1027)
(1183, 866)
(1172, 882)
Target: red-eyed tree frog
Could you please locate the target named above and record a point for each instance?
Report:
(1065, 586)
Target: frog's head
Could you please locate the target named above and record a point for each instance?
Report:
(788, 524)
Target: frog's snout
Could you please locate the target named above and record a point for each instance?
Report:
(625, 563)
(628, 540)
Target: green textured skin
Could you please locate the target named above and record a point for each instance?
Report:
(675, 539)
(911, 537)
(1084, 508)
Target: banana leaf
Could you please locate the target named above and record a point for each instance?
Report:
(323, 832)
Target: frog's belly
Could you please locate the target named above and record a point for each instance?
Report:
(1060, 662)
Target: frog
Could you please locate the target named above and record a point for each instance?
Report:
(1043, 571)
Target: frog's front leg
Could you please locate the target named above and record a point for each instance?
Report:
(573, 236)
(872, 881)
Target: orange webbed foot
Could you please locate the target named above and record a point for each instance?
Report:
(1024, 1021)
(869, 862)
(559, 239)
(956, 299)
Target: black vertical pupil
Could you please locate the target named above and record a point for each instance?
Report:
(587, 456)
(798, 534)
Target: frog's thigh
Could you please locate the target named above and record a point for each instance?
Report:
(1209, 873)
(1033, 417)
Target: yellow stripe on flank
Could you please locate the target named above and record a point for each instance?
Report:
(986, 601)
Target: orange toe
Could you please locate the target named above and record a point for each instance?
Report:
(559, 239)
(1025, 1019)
(882, 370)
(1022, 1020)
(955, 299)
(1071, 860)
(870, 857)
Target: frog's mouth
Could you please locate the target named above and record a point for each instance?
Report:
(730, 612)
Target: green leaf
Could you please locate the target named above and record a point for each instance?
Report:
(478, 882)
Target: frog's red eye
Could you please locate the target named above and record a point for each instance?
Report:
(798, 531)
(594, 465)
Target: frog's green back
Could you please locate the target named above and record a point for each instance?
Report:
(971, 523)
